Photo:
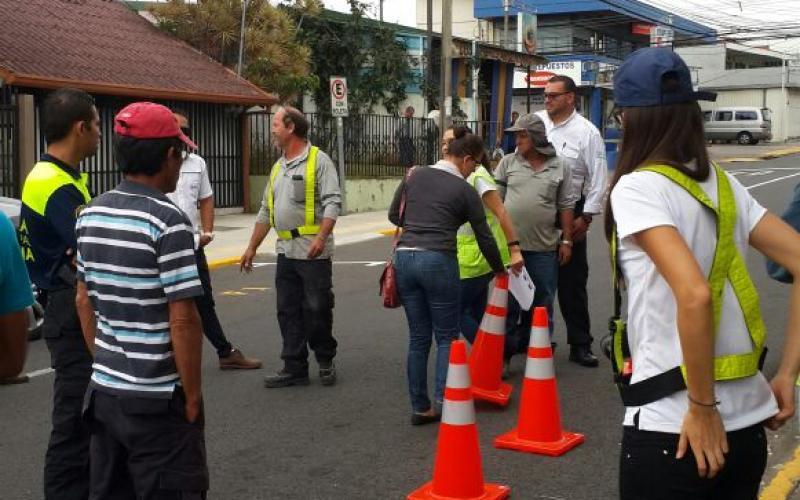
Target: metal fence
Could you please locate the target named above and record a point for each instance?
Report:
(215, 128)
(9, 149)
(374, 145)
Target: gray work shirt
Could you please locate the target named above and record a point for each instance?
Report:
(533, 199)
(290, 208)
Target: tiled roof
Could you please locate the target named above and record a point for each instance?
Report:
(105, 47)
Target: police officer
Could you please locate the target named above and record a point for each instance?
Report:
(302, 202)
(53, 194)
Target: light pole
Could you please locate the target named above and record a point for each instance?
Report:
(241, 38)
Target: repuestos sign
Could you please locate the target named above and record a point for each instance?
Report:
(541, 74)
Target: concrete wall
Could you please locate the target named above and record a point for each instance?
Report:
(464, 23)
(363, 195)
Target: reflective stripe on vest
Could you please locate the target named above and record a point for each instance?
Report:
(311, 179)
(45, 179)
(729, 266)
(471, 262)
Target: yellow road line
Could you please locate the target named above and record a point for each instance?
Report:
(784, 481)
(779, 153)
(739, 160)
(386, 232)
(215, 264)
(233, 293)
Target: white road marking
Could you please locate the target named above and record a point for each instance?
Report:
(43, 371)
(778, 179)
(366, 263)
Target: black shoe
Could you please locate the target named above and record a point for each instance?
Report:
(327, 373)
(422, 419)
(553, 346)
(284, 379)
(582, 354)
(506, 373)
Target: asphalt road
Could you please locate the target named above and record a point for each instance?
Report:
(353, 440)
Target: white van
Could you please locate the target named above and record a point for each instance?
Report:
(746, 125)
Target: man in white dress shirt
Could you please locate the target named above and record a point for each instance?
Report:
(193, 191)
(578, 140)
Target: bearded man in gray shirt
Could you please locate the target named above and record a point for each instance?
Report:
(302, 201)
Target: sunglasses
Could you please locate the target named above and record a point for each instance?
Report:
(554, 95)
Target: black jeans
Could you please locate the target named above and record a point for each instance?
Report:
(66, 463)
(648, 469)
(208, 314)
(305, 311)
(572, 297)
(144, 448)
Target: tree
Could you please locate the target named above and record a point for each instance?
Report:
(273, 59)
(368, 54)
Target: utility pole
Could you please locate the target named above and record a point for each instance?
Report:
(381, 9)
(429, 65)
(506, 6)
(241, 38)
(445, 107)
(785, 112)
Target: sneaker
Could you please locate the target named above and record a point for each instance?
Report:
(327, 373)
(284, 379)
(21, 379)
(236, 360)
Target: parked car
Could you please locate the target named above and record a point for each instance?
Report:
(11, 207)
(746, 125)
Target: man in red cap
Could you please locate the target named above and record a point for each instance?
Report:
(137, 280)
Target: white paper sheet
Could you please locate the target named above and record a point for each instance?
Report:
(521, 287)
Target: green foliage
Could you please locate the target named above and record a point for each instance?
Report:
(273, 59)
(374, 62)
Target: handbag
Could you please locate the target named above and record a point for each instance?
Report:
(388, 280)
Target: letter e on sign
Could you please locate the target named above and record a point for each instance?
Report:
(338, 96)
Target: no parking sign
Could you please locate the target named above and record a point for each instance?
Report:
(338, 96)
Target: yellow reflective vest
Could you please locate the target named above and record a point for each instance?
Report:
(309, 228)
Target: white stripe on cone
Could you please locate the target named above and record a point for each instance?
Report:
(540, 336)
(493, 325)
(539, 369)
(499, 297)
(458, 412)
(458, 376)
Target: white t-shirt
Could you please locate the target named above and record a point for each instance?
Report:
(193, 186)
(643, 200)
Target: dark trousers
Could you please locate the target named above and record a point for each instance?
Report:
(572, 297)
(208, 314)
(543, 270)
(474, 295)
(649, 471)
(305, 311)
(145, 449)
(66, 464)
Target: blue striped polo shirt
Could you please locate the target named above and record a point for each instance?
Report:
(135, 254)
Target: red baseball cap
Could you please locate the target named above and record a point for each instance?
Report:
(148, 120)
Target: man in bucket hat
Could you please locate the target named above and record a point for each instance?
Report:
(536, 189)
(137, 283)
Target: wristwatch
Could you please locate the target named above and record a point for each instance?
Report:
(566, 242)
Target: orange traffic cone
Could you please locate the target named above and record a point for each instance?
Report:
(457, 472)
(486, 357)
(539, 428)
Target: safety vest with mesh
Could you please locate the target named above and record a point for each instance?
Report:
(41, 247)
(309, 228)
(471, 262)
(728, 267)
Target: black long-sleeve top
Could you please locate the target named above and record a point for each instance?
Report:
(437, 204)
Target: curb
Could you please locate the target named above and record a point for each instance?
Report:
(779, 153)
(785, 481)
(230, 261)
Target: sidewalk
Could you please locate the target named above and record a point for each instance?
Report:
(733, 153)
(232, 234)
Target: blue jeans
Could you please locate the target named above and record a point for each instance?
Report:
(543, 268)
(428, 285)
(474, 294)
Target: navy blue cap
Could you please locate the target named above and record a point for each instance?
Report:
(638, 82)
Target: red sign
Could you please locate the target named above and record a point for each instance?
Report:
(641, 28)
(540, 78)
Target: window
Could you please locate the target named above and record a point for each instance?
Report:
(706, 116)
(746, 116)
(724, 116)
(766, 114)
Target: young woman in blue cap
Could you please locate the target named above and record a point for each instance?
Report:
(696, 401)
